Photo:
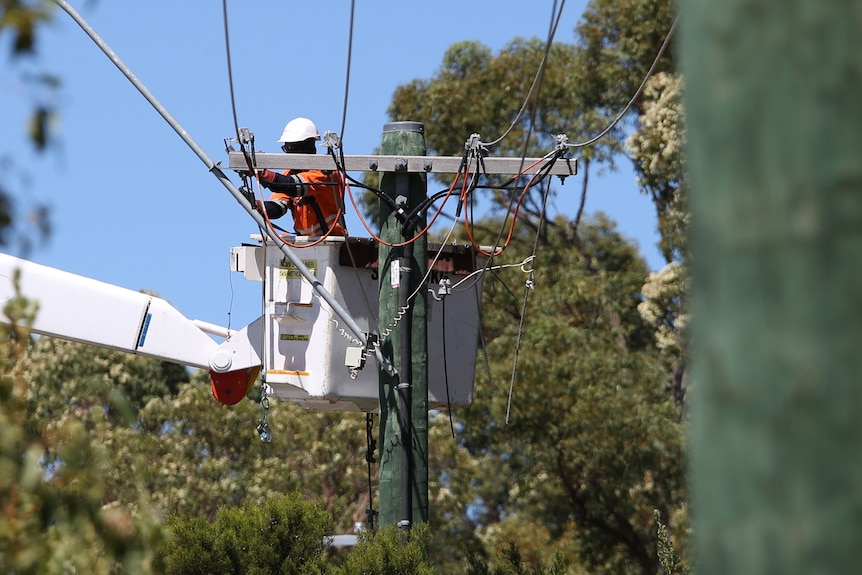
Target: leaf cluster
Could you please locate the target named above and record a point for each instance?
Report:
(54, 519)
(589, 443)
(621, 39)
(281, 534)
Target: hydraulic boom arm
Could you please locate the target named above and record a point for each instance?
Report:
(89, 311)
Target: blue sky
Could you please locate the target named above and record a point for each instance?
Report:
(132, 204)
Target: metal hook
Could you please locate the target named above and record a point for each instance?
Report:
(263, 430)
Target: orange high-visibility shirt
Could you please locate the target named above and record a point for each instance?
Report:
(321, 205)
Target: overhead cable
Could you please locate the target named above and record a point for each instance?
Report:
(347, 73)
(539, 73)
(636, 94)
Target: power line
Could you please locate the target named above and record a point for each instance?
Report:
(637, 94)
(347, 73)
(539, 73)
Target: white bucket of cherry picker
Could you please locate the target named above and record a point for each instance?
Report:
(309, 354)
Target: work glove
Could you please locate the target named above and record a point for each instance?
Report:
(266, 176)
(274, 209)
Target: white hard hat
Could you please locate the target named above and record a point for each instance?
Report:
(299, 130)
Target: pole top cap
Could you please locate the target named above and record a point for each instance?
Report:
(404, 127)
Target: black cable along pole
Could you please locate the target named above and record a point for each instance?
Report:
(405, 387)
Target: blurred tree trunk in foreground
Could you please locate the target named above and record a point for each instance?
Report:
(775, 133)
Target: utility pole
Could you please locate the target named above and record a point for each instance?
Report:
(403, 316)
(402, 306)
(775, 136)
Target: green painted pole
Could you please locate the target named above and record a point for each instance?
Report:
(403, 323)
(774, 125)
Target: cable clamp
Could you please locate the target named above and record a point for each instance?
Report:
(331, 140)
(444, 289)
(371, 517)
(246, 136)
(372, 340)
(562, 142)
(474, 146)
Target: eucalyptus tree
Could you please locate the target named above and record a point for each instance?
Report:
(574, 428)
(55, 518)
(591, 442)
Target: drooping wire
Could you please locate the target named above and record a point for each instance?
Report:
(347, 73)
(528, 287)
(415, 236)
(637, 93)
(446, 367)
(248, 159)
(530, 283)
(537, 83)
(229, 67)
(230, 84)
(522, 265)
(514, 207)
(539, 73)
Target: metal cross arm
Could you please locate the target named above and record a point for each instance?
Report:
(415, 164)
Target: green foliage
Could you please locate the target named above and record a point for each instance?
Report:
(192, 547)
(97, 446)
(671, 564)
(620, 39)
(657, 150)
(63, 375)
(511, 562)
(278, 535)
(592, 443)
(391, 551)
(54, 520)
(210, 455)
(21, 19)
(20, 224)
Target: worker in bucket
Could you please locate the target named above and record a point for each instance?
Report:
(314, 197)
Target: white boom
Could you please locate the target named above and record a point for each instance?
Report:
(86, 310)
